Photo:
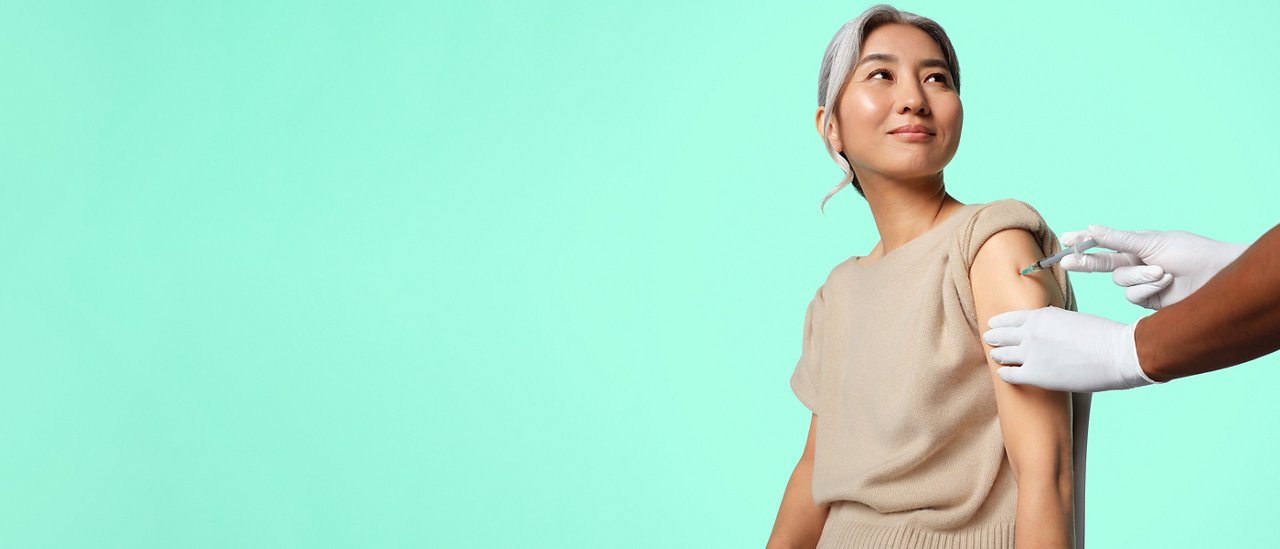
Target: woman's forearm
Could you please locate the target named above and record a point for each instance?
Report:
(1045, 519)
(799, 523)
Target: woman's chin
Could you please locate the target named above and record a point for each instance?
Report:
(913, 173)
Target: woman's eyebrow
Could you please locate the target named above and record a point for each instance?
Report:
(890, 58)
(932, 62)
(878, 57)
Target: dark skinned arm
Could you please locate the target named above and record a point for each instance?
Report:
(1232, 319)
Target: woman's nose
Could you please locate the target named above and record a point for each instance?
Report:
(913, 102)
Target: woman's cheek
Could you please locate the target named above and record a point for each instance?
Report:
(869, 105)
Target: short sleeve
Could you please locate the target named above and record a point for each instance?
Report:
(805, 379)
(1011, 214)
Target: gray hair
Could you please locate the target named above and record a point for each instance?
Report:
(845, 49)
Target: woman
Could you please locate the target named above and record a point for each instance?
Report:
(914, 441)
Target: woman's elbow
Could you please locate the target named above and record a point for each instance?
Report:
(1050, 476)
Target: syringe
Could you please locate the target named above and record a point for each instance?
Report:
(1055, 258)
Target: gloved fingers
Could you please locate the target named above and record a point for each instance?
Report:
(1009, 355)
(1133, 242)
(1013, 374)
(1137, 274)
(1139, 294)
(1100, 262)
(1022, 375)
(1009, 319)
(1071, 238)
(999, 337)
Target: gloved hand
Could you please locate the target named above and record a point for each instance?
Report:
(1065, 351)
(1156, 268)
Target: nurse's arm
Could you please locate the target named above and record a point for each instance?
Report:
(1232, 319)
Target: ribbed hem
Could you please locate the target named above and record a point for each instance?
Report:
(847, 535)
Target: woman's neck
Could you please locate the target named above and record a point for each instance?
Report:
(906, 209)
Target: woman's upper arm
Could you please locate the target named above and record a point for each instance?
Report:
(1036, 423)
(811, 440)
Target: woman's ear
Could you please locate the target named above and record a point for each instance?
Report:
(832, 132)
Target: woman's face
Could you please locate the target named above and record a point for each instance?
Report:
(899, 115)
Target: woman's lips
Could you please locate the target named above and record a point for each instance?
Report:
(912, 133)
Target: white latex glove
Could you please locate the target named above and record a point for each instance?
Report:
(1156, 268)
(1065, 351)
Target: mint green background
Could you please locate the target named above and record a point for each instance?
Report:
(494, 274)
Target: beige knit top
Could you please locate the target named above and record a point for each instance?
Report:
(909, 451)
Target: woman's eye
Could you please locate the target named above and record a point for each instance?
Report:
(880, 73)
(936, 77)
